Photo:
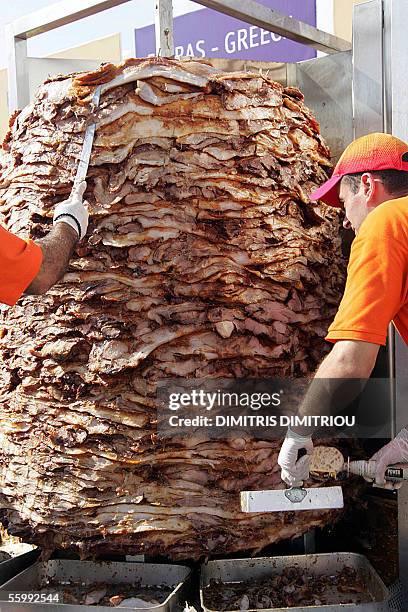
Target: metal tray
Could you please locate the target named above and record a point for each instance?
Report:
(22, 555)
(111, 572)
(241, 570)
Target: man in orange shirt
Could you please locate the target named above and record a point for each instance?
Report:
(32, 268)
(371, 181)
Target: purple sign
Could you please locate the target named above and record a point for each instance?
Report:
(208, 33)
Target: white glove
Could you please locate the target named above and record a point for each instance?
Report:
(294, 472)
(395, 451)
(73, 212)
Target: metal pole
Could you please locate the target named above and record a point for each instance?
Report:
(368, 84)
(17, 71)
(391, 368)
(46, 19)
(380, 61)
(269, 19)
(396, 122)
(163, 24)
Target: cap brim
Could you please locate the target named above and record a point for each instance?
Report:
(328, 192)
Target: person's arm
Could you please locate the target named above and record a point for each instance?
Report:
(338, 381)
(57, 248)
(394, 452)
(70, 225)
(352, 360)
(375, 290)
(349, 360)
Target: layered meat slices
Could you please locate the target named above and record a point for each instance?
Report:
(204, 259)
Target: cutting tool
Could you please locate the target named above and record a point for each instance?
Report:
(83, 163)
(293, 499)
(325, 462)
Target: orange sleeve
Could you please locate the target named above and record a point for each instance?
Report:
(376, 284)
(20, 261)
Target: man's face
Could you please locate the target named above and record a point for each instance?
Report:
(355, 205)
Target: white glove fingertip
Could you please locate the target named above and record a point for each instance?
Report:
(285, 477)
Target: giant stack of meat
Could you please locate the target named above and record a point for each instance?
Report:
(204, 258)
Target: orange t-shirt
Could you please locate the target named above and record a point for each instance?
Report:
(377, 278)
(20, 261)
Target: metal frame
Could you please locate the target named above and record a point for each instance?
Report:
(368, 85)
(61, 14)
(269, 19)
(370, 110)
(35, 23)
(396, 122)
(380, 62)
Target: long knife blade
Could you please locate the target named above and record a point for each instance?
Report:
(83, 163)
(290, 500)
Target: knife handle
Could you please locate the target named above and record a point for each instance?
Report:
(394, 473)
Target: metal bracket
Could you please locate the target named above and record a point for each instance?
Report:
(274, 21)
(164, 28)
(295, 494)
(39, 22)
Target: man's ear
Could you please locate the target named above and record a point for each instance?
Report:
(369, 186)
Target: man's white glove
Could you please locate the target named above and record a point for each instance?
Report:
(295, 471)
(73, 212)
(395, 451)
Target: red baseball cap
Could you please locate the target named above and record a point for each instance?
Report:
(376, 151)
